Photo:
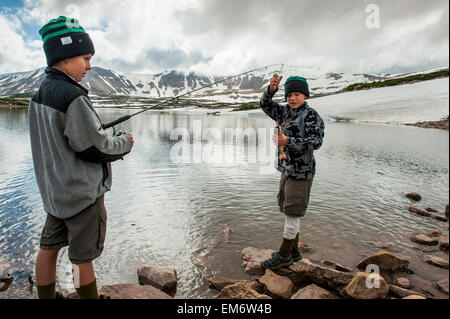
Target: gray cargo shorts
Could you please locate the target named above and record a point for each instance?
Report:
(293, 196)
(84, 233)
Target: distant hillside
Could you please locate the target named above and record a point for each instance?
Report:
(398, 81)
(109, 85)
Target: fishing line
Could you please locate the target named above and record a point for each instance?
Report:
(127, 117)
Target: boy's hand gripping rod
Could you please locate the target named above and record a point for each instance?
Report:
(127, 117)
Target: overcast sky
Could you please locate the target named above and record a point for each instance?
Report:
(227, 37)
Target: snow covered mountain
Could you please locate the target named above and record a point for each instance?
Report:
(109, 83)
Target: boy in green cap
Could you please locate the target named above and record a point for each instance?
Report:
(71, 158)
(301, 132)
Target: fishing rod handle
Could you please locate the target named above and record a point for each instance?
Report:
(115, 122)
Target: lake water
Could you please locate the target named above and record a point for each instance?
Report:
(169, 205)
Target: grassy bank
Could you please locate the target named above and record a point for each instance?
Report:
(397, 81)
(14, 101)
(246, 107)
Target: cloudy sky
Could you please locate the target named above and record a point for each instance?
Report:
(226, 37)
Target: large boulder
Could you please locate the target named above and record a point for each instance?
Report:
(132, 291)
(367, 286)
(162, 278)
(252, 258)
(240, 290)
(314, 292)
(424, 239)
(321, 275)
(277, 286)
(385, 261)
(436, 261)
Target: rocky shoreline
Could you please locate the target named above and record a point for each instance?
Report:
(442, 124)
(381, 275)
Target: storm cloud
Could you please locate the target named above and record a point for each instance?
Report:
(223, 37)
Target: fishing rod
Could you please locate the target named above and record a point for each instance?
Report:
(127, 117)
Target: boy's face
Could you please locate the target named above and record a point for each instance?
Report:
(296, 99)
(77, 67)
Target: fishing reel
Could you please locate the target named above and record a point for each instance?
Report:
(120, 132)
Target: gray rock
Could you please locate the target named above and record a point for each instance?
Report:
(132, 291)
(220, 282)
(437, 261)
(162, 278)
(414, 196)
(252, 258)
(277, 286)
(240, 290)
(321, 275)
(426, 249)
(424, 240)
(403, 282)
(439, 217)
(402, 292)
(443, 285)
(385, 261)
(314, 292)
(342, 268)
(418, 211)
(358, 287)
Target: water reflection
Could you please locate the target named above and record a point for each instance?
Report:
(166, 213)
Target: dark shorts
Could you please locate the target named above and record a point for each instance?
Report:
(293, 196)
(84, 233)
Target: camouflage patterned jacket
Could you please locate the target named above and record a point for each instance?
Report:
(305, 131)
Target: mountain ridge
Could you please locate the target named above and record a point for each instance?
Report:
(103, 82)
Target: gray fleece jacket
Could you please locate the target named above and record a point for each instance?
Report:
(71, 156)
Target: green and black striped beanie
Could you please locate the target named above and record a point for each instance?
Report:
(296, 84)
(65, 38)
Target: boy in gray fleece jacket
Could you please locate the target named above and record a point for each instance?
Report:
(71, 158)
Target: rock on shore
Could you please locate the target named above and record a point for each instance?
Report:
(132, 291)
(385, 261)
(240, 290)
(162, 278)
(307, 280)
(313, 291)
(367, 286)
